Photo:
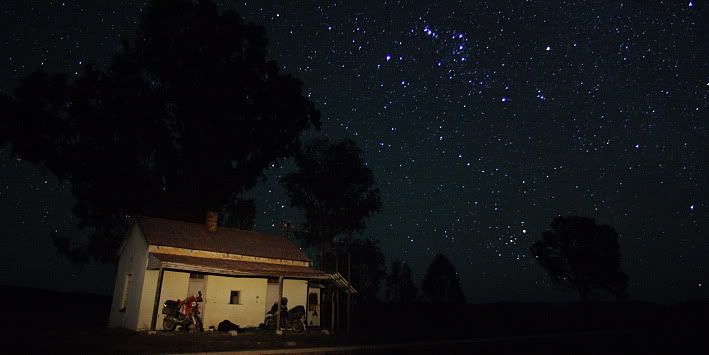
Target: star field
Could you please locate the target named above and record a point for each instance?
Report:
(482, 121)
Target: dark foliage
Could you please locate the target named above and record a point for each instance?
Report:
(367, 263)
(582, 255)
(187, 116)
(334, 188)
(400, 287)
(441, 283)
(239, 213)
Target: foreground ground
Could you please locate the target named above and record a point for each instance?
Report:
(45, 322)
(105, 341)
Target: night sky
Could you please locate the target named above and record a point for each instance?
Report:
(482, 121)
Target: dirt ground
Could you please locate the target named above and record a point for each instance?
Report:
(116, 341)
(119, 341)
(50, 323)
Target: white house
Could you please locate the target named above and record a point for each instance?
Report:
(240, 274)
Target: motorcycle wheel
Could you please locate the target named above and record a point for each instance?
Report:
(270, 323)
(298, 327)
(168, 324)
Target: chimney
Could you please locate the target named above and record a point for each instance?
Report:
(212, 221)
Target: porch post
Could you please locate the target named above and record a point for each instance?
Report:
(337, 297)
(156, 305)
(278, 313)
(348, 312)
(332, 309)
(349, 293)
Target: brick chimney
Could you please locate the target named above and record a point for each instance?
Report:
(212, 221)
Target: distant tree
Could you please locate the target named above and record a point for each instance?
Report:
(400, 287)
(367, 262)
(441, 283)
(582, 255)
(186, 117)
(239, 213)
(335, 190)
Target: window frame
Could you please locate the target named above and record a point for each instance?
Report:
(238, 297)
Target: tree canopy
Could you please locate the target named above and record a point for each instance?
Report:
(579, 254)
(400, 287)
(334, 188)
(186, 117)
(441, 283)
(367, 263)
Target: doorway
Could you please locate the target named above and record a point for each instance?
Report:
(197, 283)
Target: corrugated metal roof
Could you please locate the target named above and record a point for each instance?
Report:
(233, 267)
(166, 232)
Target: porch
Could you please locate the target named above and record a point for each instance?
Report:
(263, 284)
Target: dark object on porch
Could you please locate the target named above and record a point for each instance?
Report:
(170, 308)
(225, 326)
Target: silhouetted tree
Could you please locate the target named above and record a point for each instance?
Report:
(367, 262)
(582, 255)
(334, 188)
(239, 213)
(400, 287)
(186, 117)
(441, 283)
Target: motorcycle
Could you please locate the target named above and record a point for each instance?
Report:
(183, 313)
(293, 319)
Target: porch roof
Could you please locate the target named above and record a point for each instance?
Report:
(233, 267)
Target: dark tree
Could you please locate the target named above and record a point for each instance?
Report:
(239, 213)
(582, 255)
(367, 263)
(334, 188)
(185, 118)
(400, 287)
(441, 283)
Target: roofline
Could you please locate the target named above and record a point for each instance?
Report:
(220, 271)
(127, 236)
(220, 255)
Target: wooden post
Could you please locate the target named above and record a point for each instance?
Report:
(337, 269)
(278, 313)
(332, 310)
(349, 294)
(156, 305)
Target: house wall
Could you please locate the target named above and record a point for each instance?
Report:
(271, 293)
(250, 313)
(296, 291)
(174, 287)
(133, 261)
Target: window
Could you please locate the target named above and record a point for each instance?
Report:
(235, 297)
